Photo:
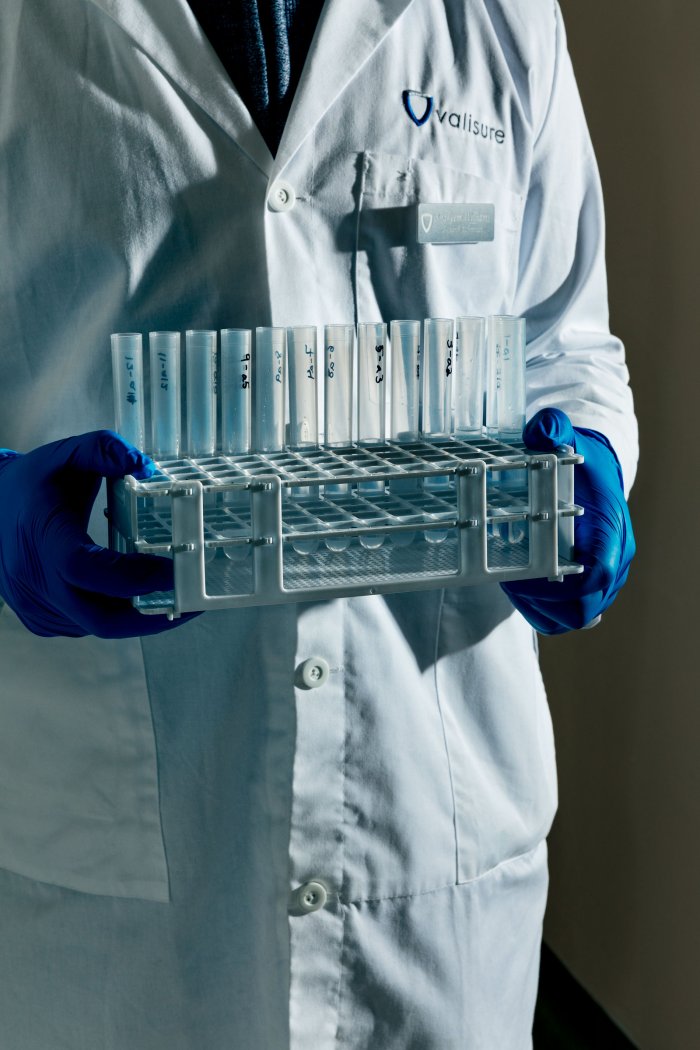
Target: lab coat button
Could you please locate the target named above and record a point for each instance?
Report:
(312, 673)
(309, 897)
(282, 196)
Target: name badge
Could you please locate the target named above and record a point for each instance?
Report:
(455, 223)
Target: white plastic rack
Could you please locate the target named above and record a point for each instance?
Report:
(296, 526)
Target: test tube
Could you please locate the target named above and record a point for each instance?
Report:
(164, 350)
(338, 384)
(303, 374)
(269, 383)
(236, 374)
(371, 369)
(200, 357)
(438, 347)
(127, 373)
(469, 376)
(405, 380)
(505, 409)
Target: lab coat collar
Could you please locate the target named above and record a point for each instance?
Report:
(168, 33)
(346, 35)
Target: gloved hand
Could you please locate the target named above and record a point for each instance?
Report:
(603, 537)
(51, 573)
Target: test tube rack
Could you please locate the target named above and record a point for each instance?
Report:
(302, 525)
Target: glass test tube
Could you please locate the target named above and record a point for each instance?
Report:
(303, 377)
(337, 388)
(236, 375)
(405, 380)
(164, 350)
(200, 359)
(303, 408)
(338, 384)
(469, 375)
(505, 409)
(405, 402)
(371, 369)
(438, 346)
(127, 374)
(269, 384)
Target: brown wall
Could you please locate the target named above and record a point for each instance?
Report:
(624, 911)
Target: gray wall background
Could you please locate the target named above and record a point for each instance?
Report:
(624, 910)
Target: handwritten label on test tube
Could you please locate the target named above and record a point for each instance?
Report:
(405, 380)
(438, 362)
(127, 373)
(269, 383)
(339, 339)
(303, 380)
(164, 350)
(236, 387)
(200, 359)
(469, 375)
(371, 398)
(506, 389)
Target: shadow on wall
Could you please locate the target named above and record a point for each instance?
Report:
(566, 1017)
(624, 912)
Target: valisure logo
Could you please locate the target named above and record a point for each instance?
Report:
(408, 105)
(420, 108)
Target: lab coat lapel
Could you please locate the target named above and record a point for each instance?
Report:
(167, 31)
(347, 33)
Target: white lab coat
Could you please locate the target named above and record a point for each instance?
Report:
(160, 801)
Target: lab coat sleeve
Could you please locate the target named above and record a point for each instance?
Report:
(573, 362)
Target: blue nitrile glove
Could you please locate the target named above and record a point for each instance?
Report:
(603, 537)
(51, 573)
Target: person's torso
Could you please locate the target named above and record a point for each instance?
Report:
(139, 192)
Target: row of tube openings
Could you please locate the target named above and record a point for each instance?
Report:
(242, 391)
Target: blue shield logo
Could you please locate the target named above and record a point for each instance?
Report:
(408, 97)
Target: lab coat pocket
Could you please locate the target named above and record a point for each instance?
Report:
(79, 804)
(396, 276)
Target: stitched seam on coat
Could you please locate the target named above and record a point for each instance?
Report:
(356, 248)
(447, 885)
(444, 732)
(157, 756)
(343, 916)
(555, 69)
(312, 223)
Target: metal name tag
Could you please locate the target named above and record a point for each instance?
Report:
(455, 223)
